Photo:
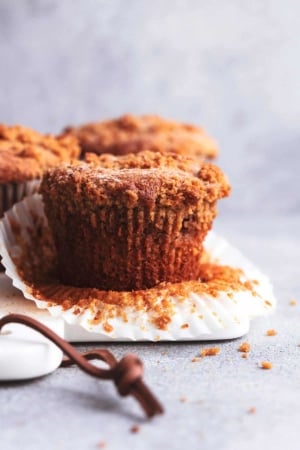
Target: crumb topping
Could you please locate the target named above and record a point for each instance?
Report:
(132, 134)
(25, 153)
(138, 184)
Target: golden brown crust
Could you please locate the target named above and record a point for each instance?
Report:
(134, 225)
(25, 153)
(132, 134)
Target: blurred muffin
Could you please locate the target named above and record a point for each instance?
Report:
(131, 222)
(132, 134)
(24, 155)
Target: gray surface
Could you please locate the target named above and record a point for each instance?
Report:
(234, 67)
(69, 410)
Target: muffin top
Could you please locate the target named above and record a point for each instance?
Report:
(145, 179)
(25, 153)
(132, 134)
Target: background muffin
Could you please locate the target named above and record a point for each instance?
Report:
(126, 223)
(132, 134)
(24, 155)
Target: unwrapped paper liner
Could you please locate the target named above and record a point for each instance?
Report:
(198, 317)
(11, 193)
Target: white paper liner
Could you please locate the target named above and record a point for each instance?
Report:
(11, 193)
(198, 317)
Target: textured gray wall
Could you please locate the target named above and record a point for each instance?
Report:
(231, 65)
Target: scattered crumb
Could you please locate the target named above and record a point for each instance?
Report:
(135, 429)
(101, 444)
(183, 399)
(212, 351)
(244, 355)
(244, 347)
(271, 332)
(107, 327)
(293, 302)
(185, 325)
(196, 359)
(252, 410)
(266, 365)
(164, 353)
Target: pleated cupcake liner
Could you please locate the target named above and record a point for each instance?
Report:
(197, 316)
(11, 193)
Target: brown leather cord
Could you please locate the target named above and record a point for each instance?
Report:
(126, 373)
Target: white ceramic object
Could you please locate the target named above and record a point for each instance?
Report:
(24, 353)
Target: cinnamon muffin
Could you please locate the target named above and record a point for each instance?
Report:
(131, 222)
(24, 155)
(132, 134)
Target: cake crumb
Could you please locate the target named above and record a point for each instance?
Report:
(252, 410)
(135, 429)
(185, 325)
(244, 347)
(266, 365)
(293, 302)
(271, 332)
(244, 355)
(107, 327)
(183, 399)
(212, 351)
(197, 359)
(101, 444)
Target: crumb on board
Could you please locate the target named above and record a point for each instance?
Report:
(244, 355)
(244, 347)
(293, 302)
(135, 429)
(211, 351)
(101, 444)
(267, 365)
(271, 332)
(252, 410)
(185, 325)
(196, 359)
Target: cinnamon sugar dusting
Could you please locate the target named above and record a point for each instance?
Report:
(38, 269)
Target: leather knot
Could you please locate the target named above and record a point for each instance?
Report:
(127, 372)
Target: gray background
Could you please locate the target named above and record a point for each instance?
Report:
(234, 67)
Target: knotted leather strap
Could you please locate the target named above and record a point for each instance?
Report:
(126, 373)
